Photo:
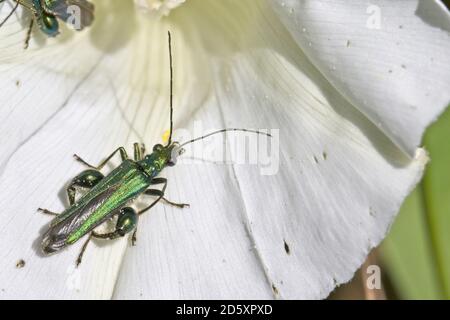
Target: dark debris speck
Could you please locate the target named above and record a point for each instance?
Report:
(286, 247)
(20, 264)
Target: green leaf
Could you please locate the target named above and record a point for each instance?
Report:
(416, 254)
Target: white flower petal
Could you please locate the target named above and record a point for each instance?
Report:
(389, 59)
(340, 182)
(51, 108)
(33, 176)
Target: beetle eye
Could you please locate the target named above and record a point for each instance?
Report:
(171, 163)
(157, 147)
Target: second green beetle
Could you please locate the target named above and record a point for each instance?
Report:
(110, 196)
(47, 12)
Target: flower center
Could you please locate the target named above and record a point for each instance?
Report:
(160, 7)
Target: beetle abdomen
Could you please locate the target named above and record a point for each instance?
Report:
(56, 237)
(103, 201)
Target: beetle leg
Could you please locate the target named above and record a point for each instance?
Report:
(45, 211)
(30, 29)
(134, 238)
(178, 205)
(137, 152)
(160, 194)
(123, 156)
(86, 179)
(83, 249)
(158, 181)
(9, 14)
(154, 192)
(126, 222)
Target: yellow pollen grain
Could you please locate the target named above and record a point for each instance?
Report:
(165, 136)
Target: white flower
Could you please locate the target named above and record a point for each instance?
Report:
(161, 7)
(351, 90)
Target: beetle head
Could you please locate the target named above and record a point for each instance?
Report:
(168, 154)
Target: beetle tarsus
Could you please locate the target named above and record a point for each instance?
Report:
(45, 211)
(134, 238)
(28, 38)
(83, 249)
(79, 159)
(121, 150)
(178, 205)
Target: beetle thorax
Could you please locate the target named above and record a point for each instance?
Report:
(154, 163)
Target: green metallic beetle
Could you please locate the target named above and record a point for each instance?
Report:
(110, 196)
(47, 12)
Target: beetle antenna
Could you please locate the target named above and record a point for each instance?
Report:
(171, 88)
(10, 14)
(222, 131)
